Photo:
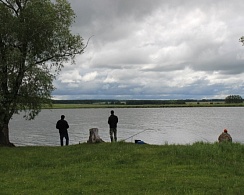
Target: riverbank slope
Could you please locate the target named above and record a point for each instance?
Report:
(123, 168)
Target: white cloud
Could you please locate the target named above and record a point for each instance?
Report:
(71, 76)
(160, 49)
(89, 76)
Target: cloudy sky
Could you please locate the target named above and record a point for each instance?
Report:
(156, 49)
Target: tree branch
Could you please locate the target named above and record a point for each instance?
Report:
(87, 42)
(18, 3)
(9, 5)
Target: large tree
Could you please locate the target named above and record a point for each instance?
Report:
(233, 99)
(35, 42)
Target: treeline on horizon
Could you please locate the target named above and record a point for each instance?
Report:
(134, 102)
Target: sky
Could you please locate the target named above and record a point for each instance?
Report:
(156, 49)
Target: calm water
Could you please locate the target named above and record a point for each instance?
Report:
(152, 125)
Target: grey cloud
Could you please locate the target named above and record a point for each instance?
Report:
(157, 49)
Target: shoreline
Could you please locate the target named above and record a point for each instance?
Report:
(78, 106)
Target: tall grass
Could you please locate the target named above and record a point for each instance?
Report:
(123, 168)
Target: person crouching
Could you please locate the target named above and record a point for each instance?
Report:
(225, 137)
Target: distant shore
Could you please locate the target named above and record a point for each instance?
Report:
(192, 104)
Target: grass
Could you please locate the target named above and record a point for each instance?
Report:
(123, 168)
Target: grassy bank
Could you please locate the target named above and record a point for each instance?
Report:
(63, 106)
(123, 168)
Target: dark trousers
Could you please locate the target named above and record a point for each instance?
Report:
(113, 134)
(62, 136)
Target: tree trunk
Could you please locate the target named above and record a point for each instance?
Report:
(94, 137)
(4, 136)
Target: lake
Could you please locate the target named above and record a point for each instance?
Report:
(152, 125)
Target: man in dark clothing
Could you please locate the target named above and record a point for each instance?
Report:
(112, 121)
(62, 125)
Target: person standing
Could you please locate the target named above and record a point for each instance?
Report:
(112, 121)
(62, 125)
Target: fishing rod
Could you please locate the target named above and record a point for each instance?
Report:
(135, 134)
(200, 136)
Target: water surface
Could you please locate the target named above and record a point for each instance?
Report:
(152, 125)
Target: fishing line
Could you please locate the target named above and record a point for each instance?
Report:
(200, 136)
(135, 134)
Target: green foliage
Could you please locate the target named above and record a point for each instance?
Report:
(123, 168)
(141, 102)
(233, 99)
(35, 42)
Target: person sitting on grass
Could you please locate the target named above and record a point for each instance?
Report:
(225, 137)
